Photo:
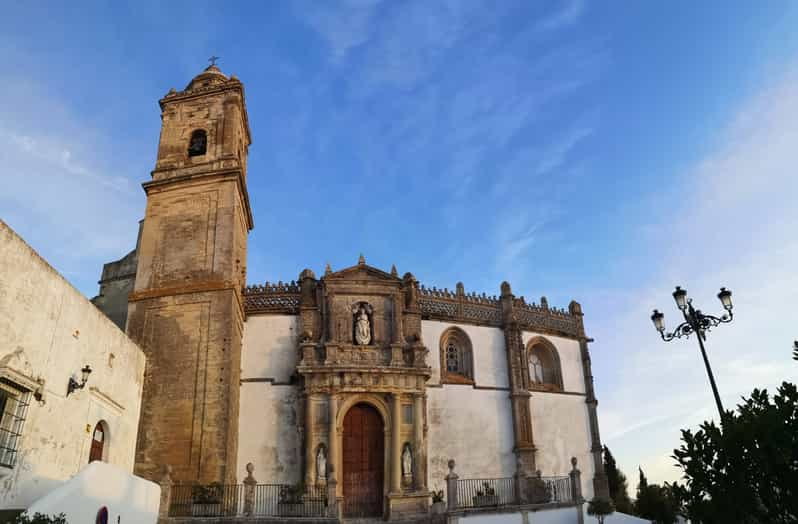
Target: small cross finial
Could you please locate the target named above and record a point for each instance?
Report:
(213, 59)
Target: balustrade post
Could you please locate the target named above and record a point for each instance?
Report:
(576, 482)
(451, 487)
(249, 491)
(332, 493)
(166, 492)
(520, 483)
(576, 491)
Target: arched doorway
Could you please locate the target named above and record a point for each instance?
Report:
(363, 461)
(98, 439)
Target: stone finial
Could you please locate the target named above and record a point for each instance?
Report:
(307, 273)
(451, 465)
(575, 308)
(460, 288)
(544, 302)
(361, 261)
(409, 277)
(394, 272)
(327, 269)
(506, 289)
(250, 470)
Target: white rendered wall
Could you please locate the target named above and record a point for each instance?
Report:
(269, 348)
(560, 421)
(269, 408)
(473, 427)
(128, 499)
(561, 431)
(49, 330)
(487, 343)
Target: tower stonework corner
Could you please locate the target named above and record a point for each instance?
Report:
(186, 310)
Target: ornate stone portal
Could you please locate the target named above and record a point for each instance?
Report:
(361, 344)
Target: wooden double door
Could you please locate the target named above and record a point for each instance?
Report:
(363, 462)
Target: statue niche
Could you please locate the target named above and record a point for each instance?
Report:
(362, 324)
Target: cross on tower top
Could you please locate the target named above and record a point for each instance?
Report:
(213, 59)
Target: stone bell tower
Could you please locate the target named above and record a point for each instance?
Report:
(186, 310)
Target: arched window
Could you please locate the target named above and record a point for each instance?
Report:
(198, 143)
(456, 357)
(544, 365)
(98, 442)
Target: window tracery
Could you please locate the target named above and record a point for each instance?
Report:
(544, 365)
(456, 357)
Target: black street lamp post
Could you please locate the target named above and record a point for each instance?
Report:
(696, 322)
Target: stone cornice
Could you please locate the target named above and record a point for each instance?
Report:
(220, 169)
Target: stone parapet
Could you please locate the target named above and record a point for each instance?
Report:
(437, 304)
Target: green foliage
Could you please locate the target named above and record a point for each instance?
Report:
(746, 471)
(619, 489)
(600, 508)
(655, 502)
(39, 518)
(437, 496)
(207, 494)
(292, 494)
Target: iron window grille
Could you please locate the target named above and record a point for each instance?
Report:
(14, 402)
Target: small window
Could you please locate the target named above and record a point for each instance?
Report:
(13, 408)
(198, 143)
(456, 357)
(544, 365)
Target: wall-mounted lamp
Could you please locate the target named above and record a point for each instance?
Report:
(38, 393)
(74, 384)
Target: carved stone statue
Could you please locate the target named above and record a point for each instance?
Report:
(362, 327)
(407, 462)
(321, 464)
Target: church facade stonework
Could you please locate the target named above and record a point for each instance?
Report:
(360, 376)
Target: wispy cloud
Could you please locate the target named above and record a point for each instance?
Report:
(344, 26)
(61, 193)
(566, 15)
(732, 225)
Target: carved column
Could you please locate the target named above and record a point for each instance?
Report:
(519, 394)
(600, 485)
(396, 443)
(309, 307)
(332, 456)
(418, 435)
(310, 459)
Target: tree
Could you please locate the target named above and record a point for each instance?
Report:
(655, 502)
(744, 471)
(600, 508)
(619, 490)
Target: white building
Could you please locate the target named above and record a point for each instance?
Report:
(49, 332)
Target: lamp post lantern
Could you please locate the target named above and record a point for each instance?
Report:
(699, 323)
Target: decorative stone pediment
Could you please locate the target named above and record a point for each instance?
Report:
(364, 274)
(359, 318)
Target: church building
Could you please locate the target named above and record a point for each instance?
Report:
(359, 375)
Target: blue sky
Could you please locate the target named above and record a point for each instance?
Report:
(598, 151)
